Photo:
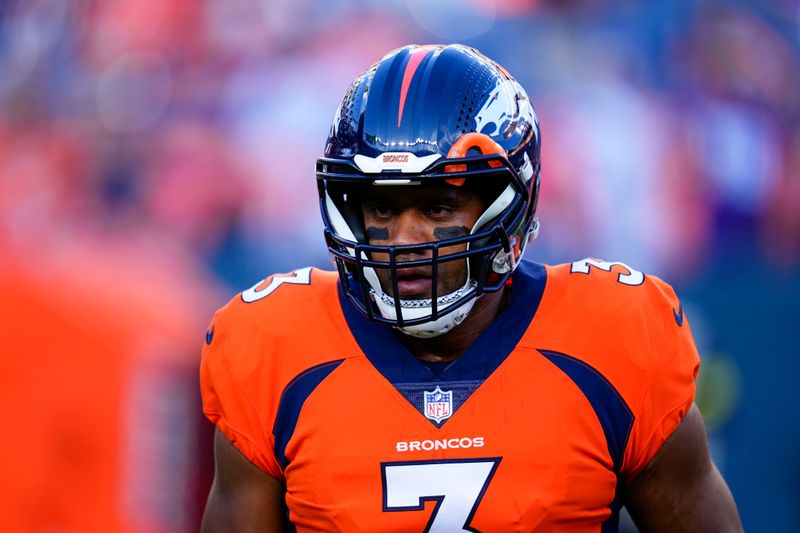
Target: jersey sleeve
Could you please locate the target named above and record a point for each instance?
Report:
(670, 387)
(226, 401)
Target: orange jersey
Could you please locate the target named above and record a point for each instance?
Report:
(573, 387)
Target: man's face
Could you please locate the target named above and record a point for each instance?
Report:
(404, 215)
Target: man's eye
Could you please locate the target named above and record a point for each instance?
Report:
(438, 211)
(380, 210)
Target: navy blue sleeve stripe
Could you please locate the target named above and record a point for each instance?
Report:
(613, 413)
(611, 524)
(292, 400)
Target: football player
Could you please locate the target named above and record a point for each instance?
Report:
(436, 382)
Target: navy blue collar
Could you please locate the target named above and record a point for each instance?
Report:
(489, 350)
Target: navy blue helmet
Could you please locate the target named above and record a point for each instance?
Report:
(421, 115)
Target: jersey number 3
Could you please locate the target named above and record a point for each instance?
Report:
(457, 486)
(298, 277)
(634, 277)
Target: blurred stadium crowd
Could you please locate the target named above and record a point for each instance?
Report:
(156, 156)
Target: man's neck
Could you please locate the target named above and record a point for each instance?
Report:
(450, 346)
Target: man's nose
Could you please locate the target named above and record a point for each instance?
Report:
(408, 228)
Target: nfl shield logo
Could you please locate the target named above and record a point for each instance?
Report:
(438, 404)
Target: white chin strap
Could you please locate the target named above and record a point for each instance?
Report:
(413, 309)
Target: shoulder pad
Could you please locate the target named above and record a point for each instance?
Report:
(611, 286)
(281, 301)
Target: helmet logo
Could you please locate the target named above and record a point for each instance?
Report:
(406, 162)
(506, 107)
(395, 158)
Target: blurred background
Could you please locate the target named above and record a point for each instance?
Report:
(156, 157)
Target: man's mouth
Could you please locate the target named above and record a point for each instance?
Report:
(414, 283)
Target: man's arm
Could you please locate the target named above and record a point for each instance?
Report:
(243, 497)
(681, 489)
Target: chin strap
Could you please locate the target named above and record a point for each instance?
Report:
(412, 309)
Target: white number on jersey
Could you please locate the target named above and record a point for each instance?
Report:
(634, 277)
(456, 485)
(298, 277)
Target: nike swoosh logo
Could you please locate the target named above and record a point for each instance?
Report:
(210, 335)
(678, 315)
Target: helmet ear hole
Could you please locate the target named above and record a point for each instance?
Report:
(474, 151)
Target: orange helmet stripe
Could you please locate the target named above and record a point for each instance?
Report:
(414, 60)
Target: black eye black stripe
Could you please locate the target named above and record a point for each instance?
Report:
(378, 234)
(450, 232)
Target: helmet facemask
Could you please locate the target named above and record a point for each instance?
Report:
(490, 250)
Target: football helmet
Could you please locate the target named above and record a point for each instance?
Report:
(443, 114)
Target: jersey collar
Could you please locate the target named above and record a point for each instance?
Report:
(388, 355)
